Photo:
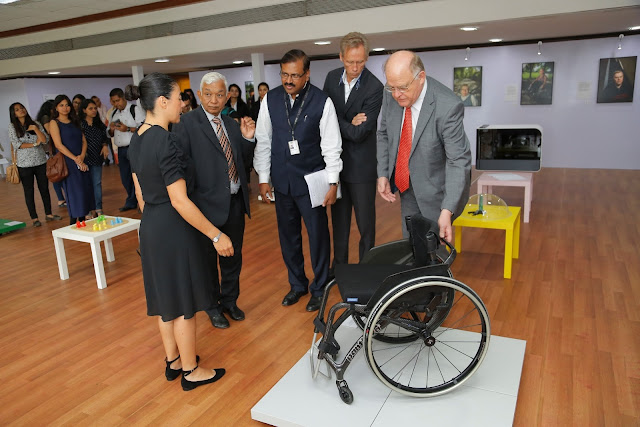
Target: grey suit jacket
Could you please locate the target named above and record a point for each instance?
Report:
(440, 160)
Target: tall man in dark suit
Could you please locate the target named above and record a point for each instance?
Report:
(423, 150)
(357, 96)
(298, 134)
(220, 149)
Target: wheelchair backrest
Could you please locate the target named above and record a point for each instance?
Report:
(424, 239)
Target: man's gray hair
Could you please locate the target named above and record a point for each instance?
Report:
(212, 77)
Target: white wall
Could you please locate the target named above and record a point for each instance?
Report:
(577, 133)
(10, 91)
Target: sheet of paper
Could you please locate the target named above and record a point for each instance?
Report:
(318, 184)
(507, 176)
(12, 223)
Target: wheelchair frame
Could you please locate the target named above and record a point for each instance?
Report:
(414, 293)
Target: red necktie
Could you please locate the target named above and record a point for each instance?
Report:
(404, 150)
(226, 148)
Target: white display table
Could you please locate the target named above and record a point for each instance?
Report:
(94, 238)
(488, 180)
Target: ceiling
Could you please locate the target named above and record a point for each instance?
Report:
(28, 13)
(591, 23)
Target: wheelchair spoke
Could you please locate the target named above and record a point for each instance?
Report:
(430, 363)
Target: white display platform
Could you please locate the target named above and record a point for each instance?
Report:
(486, 399)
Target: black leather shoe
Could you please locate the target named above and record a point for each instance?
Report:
(190, 385)
(234, 312)
(219, 321)
(314, 303)
(292, 297)
(126, 208)
(172, 374)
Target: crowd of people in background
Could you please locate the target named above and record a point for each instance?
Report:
(90, 135)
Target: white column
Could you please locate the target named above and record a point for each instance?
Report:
(257, 68)
(136, 71)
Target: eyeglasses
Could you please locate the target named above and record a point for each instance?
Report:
(401, 89)
(208, 95)
(285, 76)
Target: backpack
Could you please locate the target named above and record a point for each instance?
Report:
(132, 110)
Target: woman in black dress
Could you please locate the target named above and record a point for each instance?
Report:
(174, 264)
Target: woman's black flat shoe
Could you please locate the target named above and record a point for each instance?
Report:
(172, 374)
(53, 217)
(190, 385)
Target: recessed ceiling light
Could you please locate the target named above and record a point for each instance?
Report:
(468, 28)
(378, 49)
(637, 27)
(322, 43)
(495, 40)
(162, 60)
(54, 72)
(238, 62)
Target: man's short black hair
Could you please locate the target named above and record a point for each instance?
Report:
(295, 55)
(116, 92)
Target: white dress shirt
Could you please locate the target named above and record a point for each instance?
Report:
(330, 143)
(348, 87)
(415, 111)
(122, 139)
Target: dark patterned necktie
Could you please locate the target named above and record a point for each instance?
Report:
(226, 149)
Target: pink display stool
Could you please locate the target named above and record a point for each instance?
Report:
(508, 179)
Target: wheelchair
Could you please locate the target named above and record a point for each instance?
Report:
(423, 332)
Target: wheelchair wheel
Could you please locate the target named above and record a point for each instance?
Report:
(390, 333)
(446, 351)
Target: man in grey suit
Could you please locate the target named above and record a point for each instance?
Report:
(423, 150)
(357, 96)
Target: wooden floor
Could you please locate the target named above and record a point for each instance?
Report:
(71, 354)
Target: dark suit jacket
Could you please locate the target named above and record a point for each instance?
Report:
(198, 140)
(358, 142)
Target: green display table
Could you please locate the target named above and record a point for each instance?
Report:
(7, 225)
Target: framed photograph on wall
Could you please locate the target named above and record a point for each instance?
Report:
(616, 79)
(537, 83)
(467, 84)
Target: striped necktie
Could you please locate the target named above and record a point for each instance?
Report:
(226, 149)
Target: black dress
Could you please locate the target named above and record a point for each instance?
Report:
(175, 267)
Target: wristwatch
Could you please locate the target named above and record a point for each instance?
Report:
(215, 239)
(333, 184)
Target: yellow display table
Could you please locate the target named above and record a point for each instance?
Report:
(511, 225)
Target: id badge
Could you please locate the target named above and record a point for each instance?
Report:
(293, 147)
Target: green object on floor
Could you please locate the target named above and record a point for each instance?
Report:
(7, 225)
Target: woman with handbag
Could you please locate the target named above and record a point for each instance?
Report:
(28, 139)
(69, 140)
(44, 117)
(95, 132)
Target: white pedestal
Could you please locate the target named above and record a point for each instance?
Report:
(486, 399)
(509, 179)
(94, 238)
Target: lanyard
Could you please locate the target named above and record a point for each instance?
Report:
(286, 108)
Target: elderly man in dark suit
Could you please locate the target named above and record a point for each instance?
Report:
(357, 96)
(423, 150)
(220, 149)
